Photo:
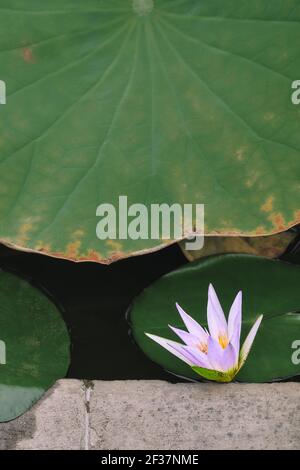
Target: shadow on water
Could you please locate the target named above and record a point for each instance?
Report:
(94, 300)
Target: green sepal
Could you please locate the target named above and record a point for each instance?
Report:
(214, 375)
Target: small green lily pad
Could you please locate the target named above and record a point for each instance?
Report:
(34, 345)
(269, 287)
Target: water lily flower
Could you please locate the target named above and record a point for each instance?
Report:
(215, 354)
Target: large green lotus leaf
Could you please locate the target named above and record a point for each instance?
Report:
(269, 287)
(37, 346)
(168, 101)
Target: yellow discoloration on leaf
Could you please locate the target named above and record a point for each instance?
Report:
(269, 116)
(240, 153)
(249, 183)
(297, 215)
(73, 249)
(261, 230)
(268, 205)
(25, 229)
(278, 221)
(78, 233)
(252, 177)
(114, 245)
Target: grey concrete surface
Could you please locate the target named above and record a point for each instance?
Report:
(55, 422)
(158, 415)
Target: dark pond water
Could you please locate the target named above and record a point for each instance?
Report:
(93, 299)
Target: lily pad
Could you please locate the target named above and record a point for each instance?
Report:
(160, 100)
(269, 287)
(35, 347)
(271, 246)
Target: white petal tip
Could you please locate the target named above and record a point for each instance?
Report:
(154, 337)
(258, 320)
(250, 339)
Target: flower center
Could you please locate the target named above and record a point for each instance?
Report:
(223, 341)
(202, 347)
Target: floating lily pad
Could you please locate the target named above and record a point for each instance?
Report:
(164, 101)
(271, 246)
(269, 287)
(34, 345)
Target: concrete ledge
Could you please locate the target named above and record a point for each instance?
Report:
(56, 422)
(158, 415)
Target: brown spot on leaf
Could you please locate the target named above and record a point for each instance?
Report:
(43, 248)
(278, 221)
(59, 254)
(116, 256)
(92, 256)
(28, 55)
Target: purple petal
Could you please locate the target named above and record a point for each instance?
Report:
(174, 348)
(249, 340)
(221, 359)
(196, 357)
(235, 341)
(215, 316)
(229, 358)
(235, 321)
(187, 338)
(235, 315)
(193, 327)
(214, 354)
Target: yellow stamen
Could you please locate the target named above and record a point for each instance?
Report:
(223, 341)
